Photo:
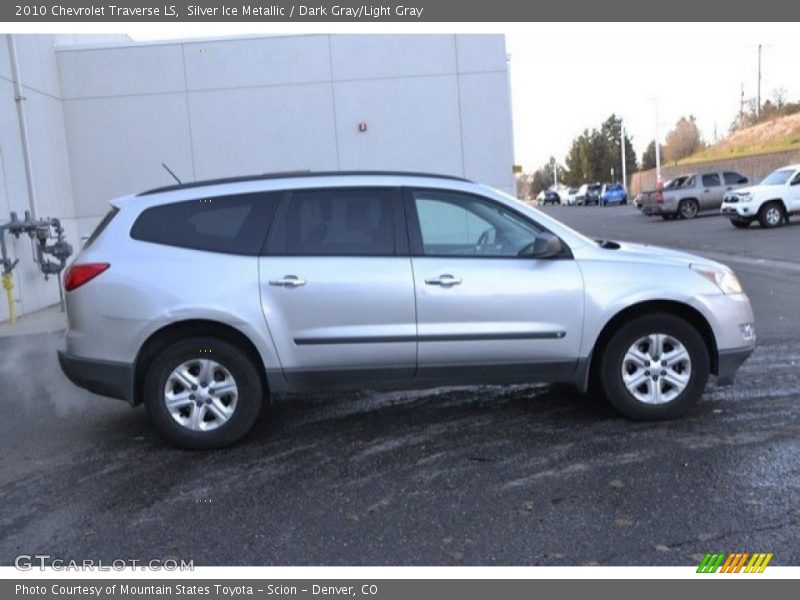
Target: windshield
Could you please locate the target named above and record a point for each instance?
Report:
(778, 177)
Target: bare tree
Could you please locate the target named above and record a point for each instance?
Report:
(684, 140)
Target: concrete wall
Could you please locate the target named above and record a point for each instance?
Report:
(48, 148)
(436, 103)
(755, 167)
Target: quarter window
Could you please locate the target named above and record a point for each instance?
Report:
(228, 224)
(341, 222)
(461, 225)
(733, 178)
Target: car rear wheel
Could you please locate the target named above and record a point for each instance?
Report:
(654, 367)
(688, 209)
(202, 393)
(770, 215)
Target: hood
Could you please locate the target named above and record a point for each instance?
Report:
(644, 253)
(756, 190)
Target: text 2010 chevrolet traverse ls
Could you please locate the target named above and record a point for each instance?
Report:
(199, 300)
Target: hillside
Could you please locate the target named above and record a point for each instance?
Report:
(771, 136)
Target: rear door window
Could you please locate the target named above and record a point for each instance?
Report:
(228, 224)
(341, 222)
(711, 180)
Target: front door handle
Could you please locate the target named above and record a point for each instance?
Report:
(288, 281)
(445, 280)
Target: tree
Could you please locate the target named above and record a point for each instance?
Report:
(595, 153)
(649, 156)
(684, 140)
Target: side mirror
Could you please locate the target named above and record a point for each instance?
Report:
(546, 245)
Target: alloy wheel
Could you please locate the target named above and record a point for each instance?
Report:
(656, 368)
(201, 394)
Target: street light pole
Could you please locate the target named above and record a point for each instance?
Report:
(622, 143)
(658, 149)
(555, 173)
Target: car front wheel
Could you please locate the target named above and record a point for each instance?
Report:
(202, 393)
(770, 215)
(654, 367)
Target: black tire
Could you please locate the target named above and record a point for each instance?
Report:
(688, 209)
(740, 224)
(239, 366)
(771, 215)
(612, 361)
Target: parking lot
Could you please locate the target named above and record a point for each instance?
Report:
(527, 475)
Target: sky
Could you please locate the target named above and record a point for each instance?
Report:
(566, 77)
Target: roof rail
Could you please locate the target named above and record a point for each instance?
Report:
(290, 175)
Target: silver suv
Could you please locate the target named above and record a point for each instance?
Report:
(202, 300)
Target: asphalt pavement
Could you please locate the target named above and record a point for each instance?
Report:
(524, 475)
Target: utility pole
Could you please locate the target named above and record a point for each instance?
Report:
(758, 107)
(741, 106)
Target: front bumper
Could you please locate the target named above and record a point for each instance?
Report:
(729, 361)
(102, 377)
(741, 211)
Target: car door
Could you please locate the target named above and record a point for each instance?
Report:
(336, 287)
(711, 191)
(483, 310)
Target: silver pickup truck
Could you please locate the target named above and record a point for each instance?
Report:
(686, 196)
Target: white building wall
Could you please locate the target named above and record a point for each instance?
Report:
(436, 103)
(102, 118)
(48, 150)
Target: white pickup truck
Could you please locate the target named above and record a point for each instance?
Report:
(771, 202)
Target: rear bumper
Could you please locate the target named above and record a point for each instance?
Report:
(658, 209)
(101, 377)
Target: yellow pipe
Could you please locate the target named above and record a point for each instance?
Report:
(8, 285)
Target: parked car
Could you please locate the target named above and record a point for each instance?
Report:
(613, 193)
(550, 197)
(572, 196)
(697, 193)
(770, 202)
(589, 193)
(649, 196)
(202, 300)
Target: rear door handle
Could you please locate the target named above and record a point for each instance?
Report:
(288, 281)
(445, 280)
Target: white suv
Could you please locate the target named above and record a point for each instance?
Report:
(770, 202)
(202, 300)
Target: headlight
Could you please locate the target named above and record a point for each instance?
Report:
(724, 279)
(745, 197)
